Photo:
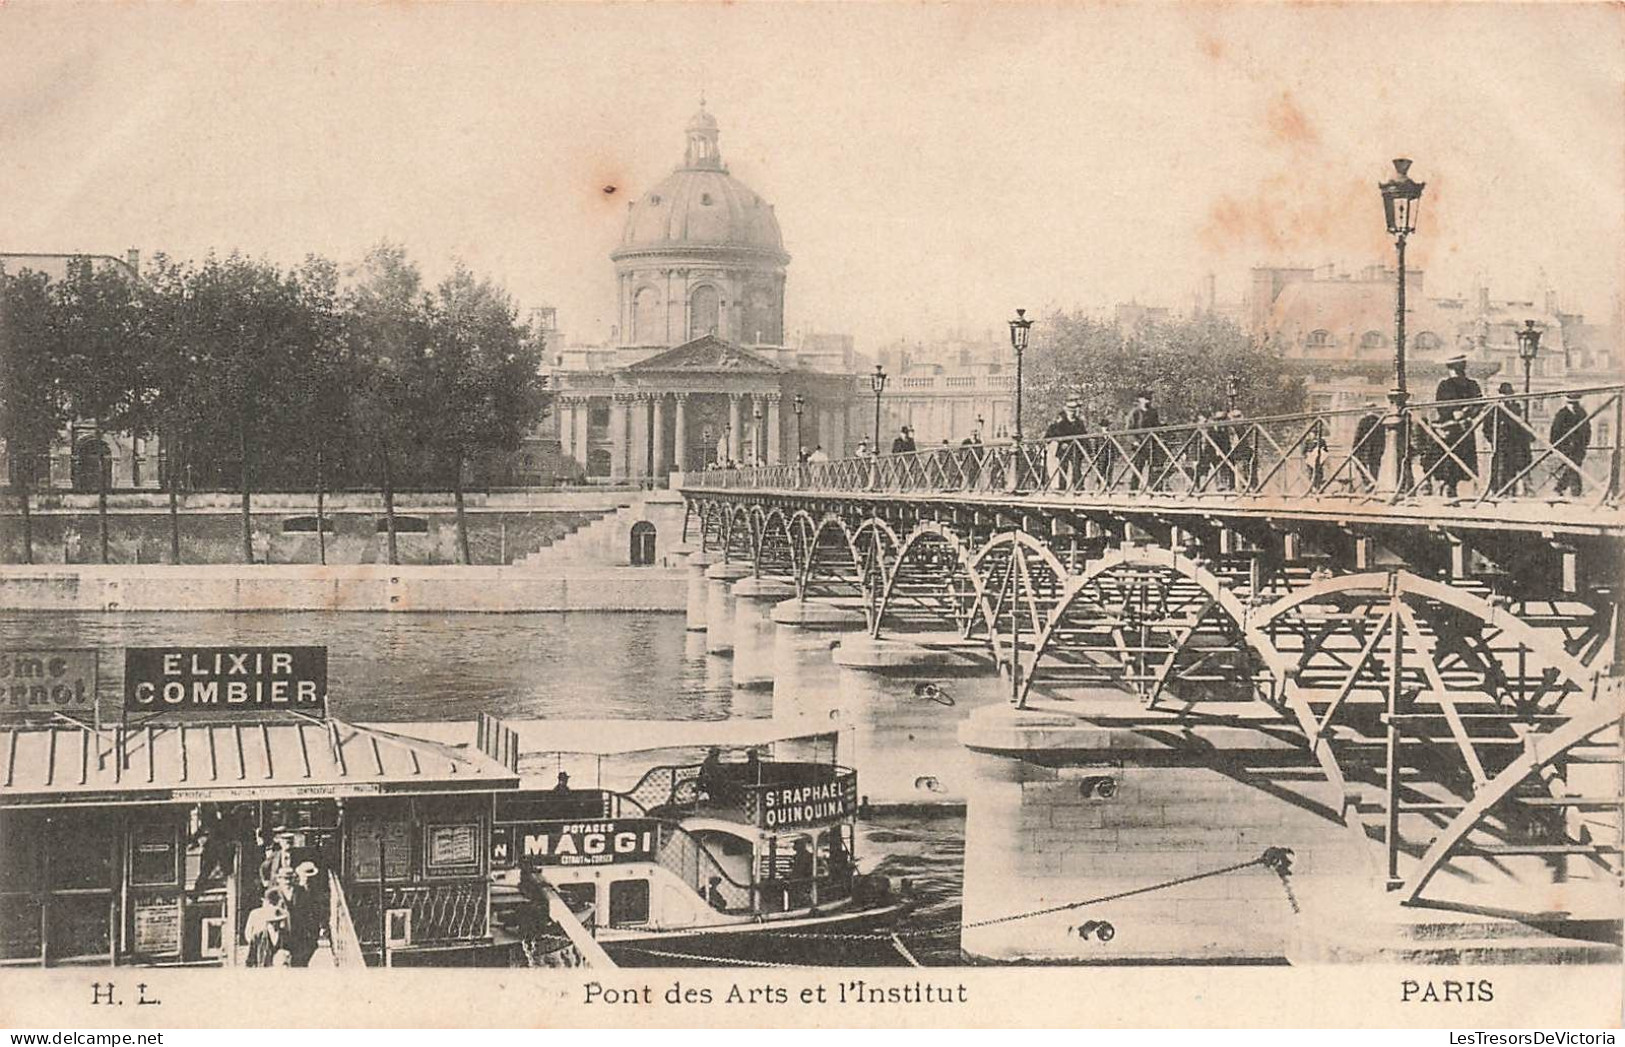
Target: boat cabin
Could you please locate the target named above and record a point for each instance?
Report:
(156, 844)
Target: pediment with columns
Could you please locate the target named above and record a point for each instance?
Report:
(707, 354)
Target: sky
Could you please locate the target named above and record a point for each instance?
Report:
(932, 165)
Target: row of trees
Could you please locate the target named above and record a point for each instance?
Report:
(1185, 364)
(259, 377)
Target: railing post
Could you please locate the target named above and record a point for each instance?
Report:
(1395, 472)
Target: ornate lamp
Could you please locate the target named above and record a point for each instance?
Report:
(877, 382)
(1528, 349)
(1020, 329)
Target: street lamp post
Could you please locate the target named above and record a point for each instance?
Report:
(758, 445)
(1401, 199)
(1528, 349)
(705, 438)
(799, 403)
(1020, 328)
(877, 382)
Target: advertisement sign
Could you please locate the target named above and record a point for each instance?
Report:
(605, 842)
(212, 680)
(796, 806)
(36, 684)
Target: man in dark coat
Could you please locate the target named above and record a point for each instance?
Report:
(904, 442)
(1571, 436)
(1368, 445)
(1510, 432)
(1147, 455)
(1459, 453)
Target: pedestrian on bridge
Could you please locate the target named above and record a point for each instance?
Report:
(1571, 436)
(1147, 451)
(1368, 445)
(1509, 430)
(904, 442)
(1457, 432)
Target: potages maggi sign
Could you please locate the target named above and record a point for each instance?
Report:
(212, 680)
(575, 843)
(793, 806)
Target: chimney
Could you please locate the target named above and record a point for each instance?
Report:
(133, 257)
(1551, 302)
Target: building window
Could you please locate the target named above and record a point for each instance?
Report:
(705, 309)
(705, 199)
(648, 325)
(598, 416)
(1371, 340)
(1427, 341)
(1318, 339)
(654, 201)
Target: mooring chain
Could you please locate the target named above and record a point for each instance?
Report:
(1276, 859)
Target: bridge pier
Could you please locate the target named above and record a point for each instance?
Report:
(803, 675)
(719, 605)
(754, 599)
(900, 704)
(698, 589)
(1065, 806)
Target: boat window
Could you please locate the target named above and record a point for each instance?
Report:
(628, 902)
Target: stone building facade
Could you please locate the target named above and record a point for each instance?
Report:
(698, 370)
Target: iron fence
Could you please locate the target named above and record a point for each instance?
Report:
(1487, 450)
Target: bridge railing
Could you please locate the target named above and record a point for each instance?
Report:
(1487, 450)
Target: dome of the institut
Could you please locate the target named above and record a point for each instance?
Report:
(701, 207)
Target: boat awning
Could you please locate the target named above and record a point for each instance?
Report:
(615, 737)
(229, 762)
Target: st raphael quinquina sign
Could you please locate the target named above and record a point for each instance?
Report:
(208, 681)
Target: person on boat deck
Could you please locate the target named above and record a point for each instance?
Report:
(753, 767)
(710, 780)
(713, 895)
(563, 785)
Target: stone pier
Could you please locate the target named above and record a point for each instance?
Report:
(804, 677)
(754, 600)
(699, 591)
(719, 605)
(900, 705)
(1065, 806)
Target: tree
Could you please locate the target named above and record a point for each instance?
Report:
(95, 325)
(32, 409)
(387, 336)
(483, 374)
(1184, 364)
(169, 374)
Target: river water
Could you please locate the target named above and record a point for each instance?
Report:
(384, 667)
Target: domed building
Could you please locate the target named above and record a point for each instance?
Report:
(697, 370)
(701, 254)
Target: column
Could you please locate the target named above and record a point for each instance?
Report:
(661, 458)
(754, 600)
(618, 421)
(735, 425)
(680, 436)
(773, 432)
(638, 468)
(583, 420)
(567, 427)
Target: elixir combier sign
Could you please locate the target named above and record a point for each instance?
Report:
(212, 680)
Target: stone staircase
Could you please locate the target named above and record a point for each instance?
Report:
(598, 541)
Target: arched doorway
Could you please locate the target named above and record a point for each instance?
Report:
(92, 465)
(642, 552)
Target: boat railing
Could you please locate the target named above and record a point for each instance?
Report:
(692, 862)
(341, 930)
(743, 793)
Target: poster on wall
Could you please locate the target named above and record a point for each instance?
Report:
(158, 925)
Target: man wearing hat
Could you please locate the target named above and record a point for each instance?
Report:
(1147, 459)
(1458, 459)
(1571, 436)
(1068, 423)
(1368, 444)
(903, 443)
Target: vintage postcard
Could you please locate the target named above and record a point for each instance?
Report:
(809, 515)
